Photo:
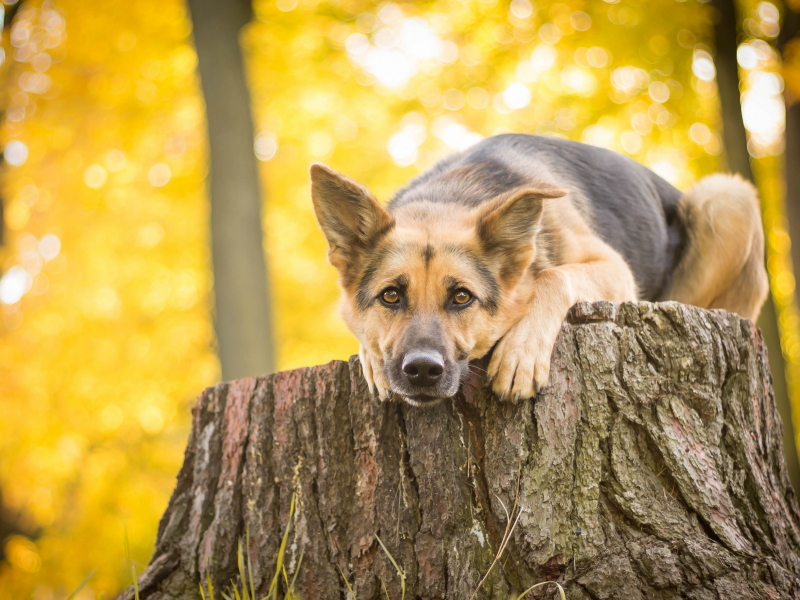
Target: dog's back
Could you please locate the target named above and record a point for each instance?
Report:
(628, 206)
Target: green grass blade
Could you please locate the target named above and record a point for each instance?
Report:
(242, 573)
(235, 591)
(127, 546)
(210, 585)
(135, 583)
(533, 587)
(80, 585)
(250, 564)
(399, 571)
(347, 583)
(290, 591)
(273, 588)
(202, 593)
(385, 591)
(285, 576)
(134, 579)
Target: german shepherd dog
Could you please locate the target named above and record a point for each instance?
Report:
(490, 248)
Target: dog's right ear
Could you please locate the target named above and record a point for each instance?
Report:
(351, 218)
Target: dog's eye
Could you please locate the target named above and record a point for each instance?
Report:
(391, 296)
(462, 297)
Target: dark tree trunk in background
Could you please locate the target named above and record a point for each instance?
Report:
(9, 522)
(791, 167)
(726, 34)
(789, 33)
(733, 131)
(243, 321)
(9, 12)
(651, 467)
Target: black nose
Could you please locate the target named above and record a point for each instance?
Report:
(423, 368)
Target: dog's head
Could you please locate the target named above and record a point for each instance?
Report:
(432, 285)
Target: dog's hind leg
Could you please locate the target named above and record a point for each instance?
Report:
(722, 263)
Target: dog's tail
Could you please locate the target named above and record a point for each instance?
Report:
(722, 262)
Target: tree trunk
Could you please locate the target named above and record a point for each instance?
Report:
(726, 34)
(789, 32)
(7, 14)
(791, 159)
(651, 467)
(243, 323)
(725, 61)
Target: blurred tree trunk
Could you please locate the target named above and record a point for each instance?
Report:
(243, 311)
(9, 523)
(6, 20)
(789, 35)
(651, 467)
(726, 34)
(791, 166)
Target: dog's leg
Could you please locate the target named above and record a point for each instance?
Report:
(520, 364)
(372, 366)
(723, 261)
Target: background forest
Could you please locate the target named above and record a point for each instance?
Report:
(107, 286)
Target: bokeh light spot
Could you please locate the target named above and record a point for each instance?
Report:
(631, 141)
(151, 420)
(700, 133)
(522, 9)
(22, 554)
(703, 66)
(266, 145)
(517, 96)
(49, 246)
(286, 5)
(15, 153)
(111, 417)
(659, 91)
(95, 176)
(13, 285)
(580, 21)
(115, 161)
(159, 175)
(478, 98)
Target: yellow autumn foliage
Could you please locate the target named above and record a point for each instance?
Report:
(106, 302)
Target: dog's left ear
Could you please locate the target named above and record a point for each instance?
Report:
(507, 225)
(351, 218)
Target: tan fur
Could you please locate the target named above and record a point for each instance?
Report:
(723, 261)
(591, 270)
(426, 244)
(437, 225)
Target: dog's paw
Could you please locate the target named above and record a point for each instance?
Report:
(520, 364)
(372, 366)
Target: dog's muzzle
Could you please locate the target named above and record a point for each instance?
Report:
(423, 368)
(423, 376)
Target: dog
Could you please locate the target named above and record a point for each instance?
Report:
(489, 249)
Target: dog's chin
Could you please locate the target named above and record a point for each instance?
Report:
(423, 400)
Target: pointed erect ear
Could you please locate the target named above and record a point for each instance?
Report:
(351, 218)
(507, 225)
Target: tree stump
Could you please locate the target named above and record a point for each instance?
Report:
(651, 467)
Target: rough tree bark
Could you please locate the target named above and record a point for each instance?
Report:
(651, 467)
